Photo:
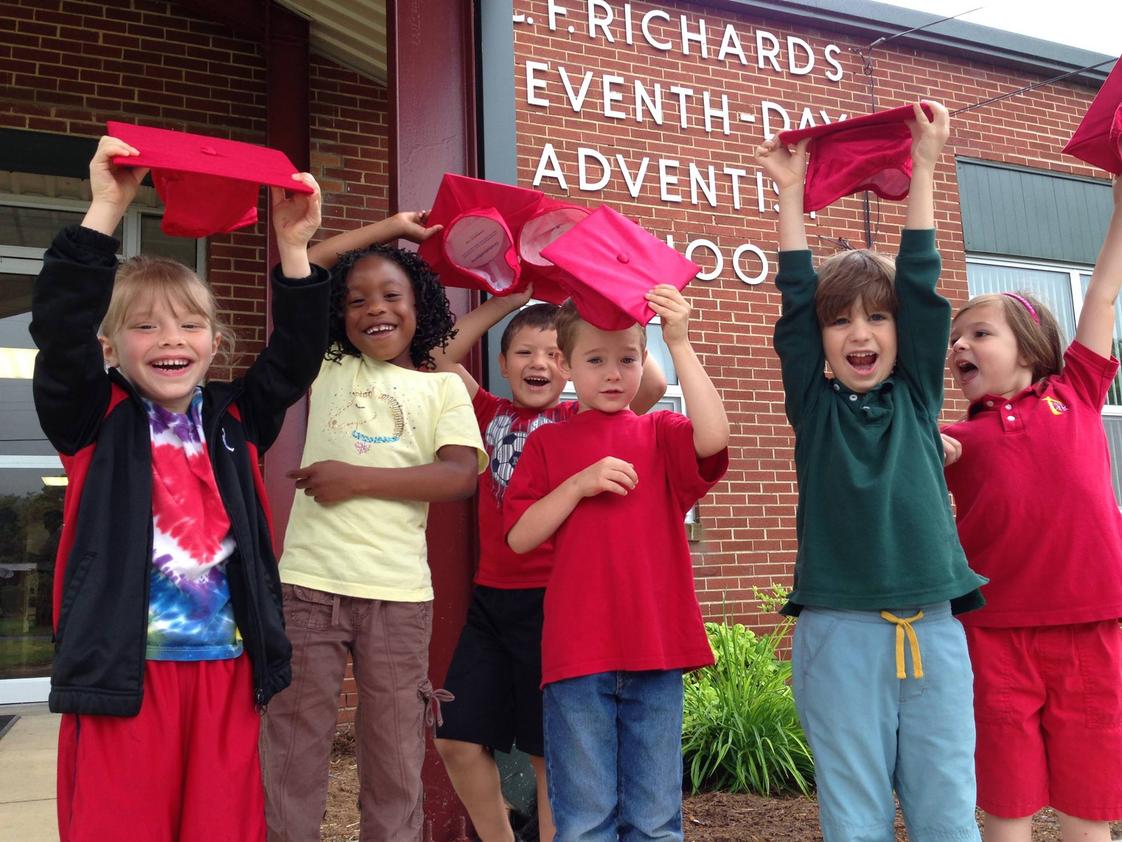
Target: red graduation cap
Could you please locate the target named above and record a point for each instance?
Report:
(208, 185)
(870, 152)
(1098, 140)
(612, 264)
(493, 236)
(550, 220)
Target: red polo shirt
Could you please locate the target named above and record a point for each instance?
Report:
(1036, 509)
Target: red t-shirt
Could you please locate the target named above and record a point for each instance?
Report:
(504, 428)
(621, 596)
(1036, 509)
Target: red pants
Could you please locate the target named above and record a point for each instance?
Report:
(185, 768)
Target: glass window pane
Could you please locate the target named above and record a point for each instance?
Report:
(155, 242)
(656, 347)
(1051, 287)
(1114, 396)
(33, 227)
(30, 525)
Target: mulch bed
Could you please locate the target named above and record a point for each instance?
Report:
(708, 817)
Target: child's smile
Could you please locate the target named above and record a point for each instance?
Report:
(860, 347)
(379, 312)
(531, 365)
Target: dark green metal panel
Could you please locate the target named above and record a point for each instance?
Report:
(46, 154)
(1015, 212)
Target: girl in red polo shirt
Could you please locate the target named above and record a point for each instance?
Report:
(1038, 517)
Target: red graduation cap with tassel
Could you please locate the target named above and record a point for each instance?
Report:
(611, 264)
(209, 185)
(870, 152)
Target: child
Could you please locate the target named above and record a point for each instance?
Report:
(384, 439)
(611, 489)
(1046, 649)
(169, 633)
(878, 560)
(495, 674)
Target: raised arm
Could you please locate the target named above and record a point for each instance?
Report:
(703, 403)
(928, 139)
(407, 225)
(1096, 321)
(112, 187)
(295, 218)
(923, 317)
(786, 166)
(70, 298)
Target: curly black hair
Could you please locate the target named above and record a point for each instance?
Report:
(434, 315)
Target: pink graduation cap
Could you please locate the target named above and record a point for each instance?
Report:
(1098, 140)
(612, 263)
(870, 152)
(493, 237)
(209, 185)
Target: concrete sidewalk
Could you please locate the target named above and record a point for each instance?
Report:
(27, 775)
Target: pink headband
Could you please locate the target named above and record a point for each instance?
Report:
(1024, 303)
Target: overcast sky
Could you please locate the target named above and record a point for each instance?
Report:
(1091, 24)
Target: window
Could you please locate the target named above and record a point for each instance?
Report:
(1062, 289)
(32, 483)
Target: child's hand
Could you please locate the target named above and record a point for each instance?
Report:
(296, 217)
(674, 311)
(411, 225)
(609, 474)
(517, 300)
(326, 482)
(952, 450)
(112, 187)
(929, 136)
(783, 165)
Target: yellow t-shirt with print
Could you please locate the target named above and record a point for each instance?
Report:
(374, 414)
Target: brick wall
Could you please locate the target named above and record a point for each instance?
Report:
(748, 523)
(66, 67)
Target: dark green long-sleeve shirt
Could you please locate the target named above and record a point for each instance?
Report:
(874, 522)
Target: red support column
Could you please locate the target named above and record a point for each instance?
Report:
(432, 131)
(287, 60)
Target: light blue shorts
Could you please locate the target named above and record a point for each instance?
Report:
(872, 732)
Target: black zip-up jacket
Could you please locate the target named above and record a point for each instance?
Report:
(98, 424)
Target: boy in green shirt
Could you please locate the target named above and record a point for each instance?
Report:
(879, 561)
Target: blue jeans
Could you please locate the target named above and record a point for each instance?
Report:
(872, 732)
(613, 753)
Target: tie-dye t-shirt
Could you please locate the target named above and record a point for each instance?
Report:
(190, 617)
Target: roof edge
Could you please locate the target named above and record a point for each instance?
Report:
(876, 20)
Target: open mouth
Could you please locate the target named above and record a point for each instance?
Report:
(378, 330)
(863, 362)
(536, 382)
(967, 371)
(171, 366)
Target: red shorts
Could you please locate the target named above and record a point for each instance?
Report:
(185, 767)
(1048, 707)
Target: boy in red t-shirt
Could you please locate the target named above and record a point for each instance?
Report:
(495, 674)
(611, 488)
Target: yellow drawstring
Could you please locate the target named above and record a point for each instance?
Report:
(904, 626)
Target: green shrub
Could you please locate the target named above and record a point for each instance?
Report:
(740, 731)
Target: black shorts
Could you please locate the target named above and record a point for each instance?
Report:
(496, 672)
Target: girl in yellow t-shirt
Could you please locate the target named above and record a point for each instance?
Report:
(385, 437)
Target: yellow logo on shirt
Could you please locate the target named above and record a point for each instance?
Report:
(1057, 407)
